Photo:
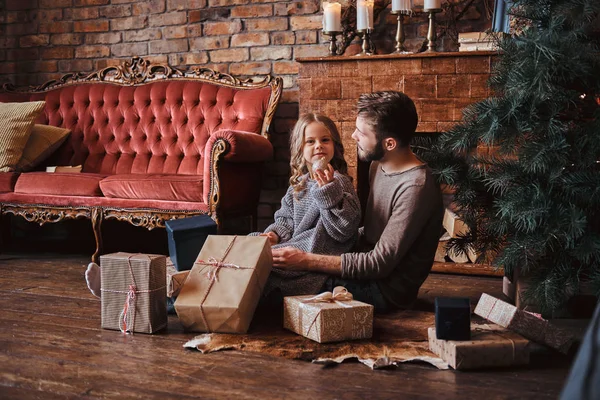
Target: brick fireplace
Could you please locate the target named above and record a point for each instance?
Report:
(441, 85)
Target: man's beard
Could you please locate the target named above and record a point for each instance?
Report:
(374, 155)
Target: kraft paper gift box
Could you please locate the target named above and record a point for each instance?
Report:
(174, 283)
(225, 284)
(134, 293)
(175, 279)
(185, 238)
(328, 317)
(524, 323)
(487, 348)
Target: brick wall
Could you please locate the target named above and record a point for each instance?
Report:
(43, 39)
(441, 84)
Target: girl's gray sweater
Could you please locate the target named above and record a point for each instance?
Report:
(320, 220)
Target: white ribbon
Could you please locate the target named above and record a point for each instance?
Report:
(338, 295)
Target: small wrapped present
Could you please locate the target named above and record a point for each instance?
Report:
(174, 283)
(487, 348)
(514, 288)
(185, 238)
(531, 326)
(174, 279)
(453, 318)
(509, 289)
(225, 284)
(134, 293)
(328, 317)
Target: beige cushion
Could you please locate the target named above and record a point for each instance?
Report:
(16, 122)
(43, 141)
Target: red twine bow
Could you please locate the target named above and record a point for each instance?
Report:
(130, 302)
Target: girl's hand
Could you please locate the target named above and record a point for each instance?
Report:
(324, 176)
(273, 237)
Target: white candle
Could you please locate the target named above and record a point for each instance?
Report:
(364, 14)
(332, 17)
(432, 4)
(401, 5)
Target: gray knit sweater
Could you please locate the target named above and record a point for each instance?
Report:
(320, 220)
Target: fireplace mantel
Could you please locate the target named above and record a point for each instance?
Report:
(441, 85)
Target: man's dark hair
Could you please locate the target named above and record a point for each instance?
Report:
(392, 114)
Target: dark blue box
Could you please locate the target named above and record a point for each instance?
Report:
(453, 318)
(186, 238)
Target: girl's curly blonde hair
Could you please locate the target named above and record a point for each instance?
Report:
(298, 163)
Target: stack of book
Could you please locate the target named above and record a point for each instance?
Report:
(479, 41)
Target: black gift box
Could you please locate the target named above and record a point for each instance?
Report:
(453, 318)
(186, 238)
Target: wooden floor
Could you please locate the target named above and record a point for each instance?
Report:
(51, 346)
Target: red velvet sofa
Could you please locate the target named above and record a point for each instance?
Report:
(155, 142)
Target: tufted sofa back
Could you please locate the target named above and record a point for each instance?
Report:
(157, 127)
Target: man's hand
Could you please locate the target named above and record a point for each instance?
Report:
(289, 258)
(293, 259)
(273, 237)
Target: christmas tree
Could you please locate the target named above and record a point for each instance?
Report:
(524, 163)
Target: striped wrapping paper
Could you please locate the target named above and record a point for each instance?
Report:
(150, 302)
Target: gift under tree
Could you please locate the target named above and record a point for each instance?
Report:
(524, 163)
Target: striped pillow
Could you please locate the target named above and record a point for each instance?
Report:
(43, 141)
(16, 122)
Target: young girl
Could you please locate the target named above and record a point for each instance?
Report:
(320, 213)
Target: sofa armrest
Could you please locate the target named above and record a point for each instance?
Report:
(233, 147)
(242, 146)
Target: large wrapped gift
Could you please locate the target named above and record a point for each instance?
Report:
(328, 317)
(225, 284)
(531, 326)
(487, 348)
(134, 293)
(185, 238)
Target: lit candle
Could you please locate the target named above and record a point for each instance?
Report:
(402, 5)
(364, 14)
(332, 17)
(432, 4)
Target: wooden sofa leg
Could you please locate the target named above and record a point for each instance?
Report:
(5, 231)
(2, 225)
(96, 217)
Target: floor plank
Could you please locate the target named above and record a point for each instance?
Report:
(52, 346)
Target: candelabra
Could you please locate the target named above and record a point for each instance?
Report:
(400, 33)
(368, 48)
(334, 47)
(431, 33)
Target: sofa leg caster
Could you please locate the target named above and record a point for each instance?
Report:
(96, 218)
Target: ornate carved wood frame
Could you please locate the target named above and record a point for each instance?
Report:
(136, 72)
